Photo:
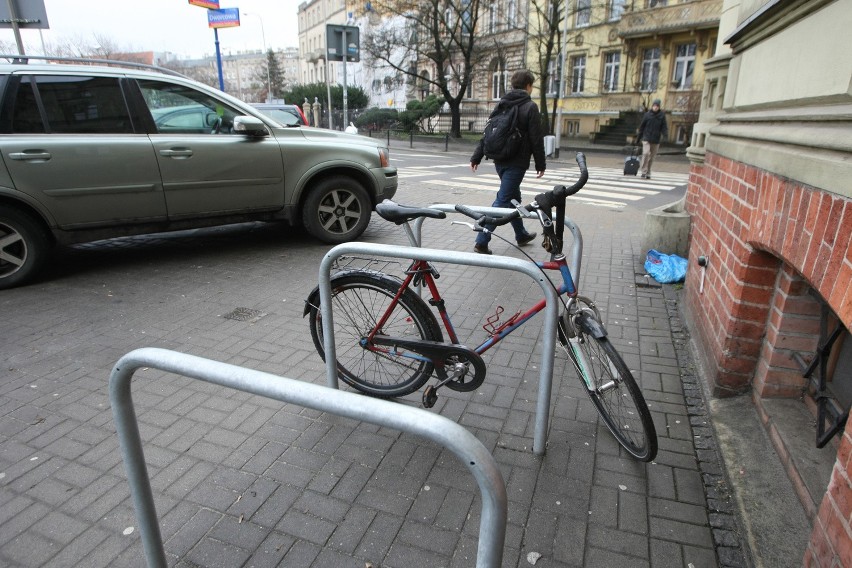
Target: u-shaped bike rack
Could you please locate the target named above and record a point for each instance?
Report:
(551, 311)
(480, 462)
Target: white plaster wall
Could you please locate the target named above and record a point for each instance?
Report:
(808, 62)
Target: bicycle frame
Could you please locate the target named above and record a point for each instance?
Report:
(421, 270)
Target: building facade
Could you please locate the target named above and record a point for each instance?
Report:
(622, 54)
(771, 208)
(313, 18)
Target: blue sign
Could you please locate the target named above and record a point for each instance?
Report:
(224, 18)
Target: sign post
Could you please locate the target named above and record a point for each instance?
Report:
(16, 14)
(343, 44)
(222, 18)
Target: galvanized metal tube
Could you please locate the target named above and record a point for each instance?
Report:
(551, 311)
(480, 462)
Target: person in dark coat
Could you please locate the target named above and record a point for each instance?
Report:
(512, 171)
(652, 129)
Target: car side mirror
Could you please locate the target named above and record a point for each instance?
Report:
(250, 125)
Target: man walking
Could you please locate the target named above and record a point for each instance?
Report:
(512, 169)
(651, 130)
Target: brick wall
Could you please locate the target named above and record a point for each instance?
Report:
(771, 243)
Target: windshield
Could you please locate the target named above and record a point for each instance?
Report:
(285, 117)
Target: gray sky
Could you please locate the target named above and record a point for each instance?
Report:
(164, 25)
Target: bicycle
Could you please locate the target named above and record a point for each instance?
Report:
(390, 342)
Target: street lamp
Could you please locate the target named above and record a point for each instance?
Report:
(263, 36)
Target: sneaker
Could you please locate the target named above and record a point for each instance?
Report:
(646, 176)
(526, 239)
(481, 249)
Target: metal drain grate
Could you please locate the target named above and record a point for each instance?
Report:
(244, 314)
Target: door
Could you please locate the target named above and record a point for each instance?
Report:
(69, 143)
(207, 168)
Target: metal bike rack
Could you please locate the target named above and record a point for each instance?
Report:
(480, 462)
(551, 311)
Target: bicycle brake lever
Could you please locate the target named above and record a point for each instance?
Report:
(471, 225)
(522, 210)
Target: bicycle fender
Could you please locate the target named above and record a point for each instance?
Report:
(314, 297)
(591, 326)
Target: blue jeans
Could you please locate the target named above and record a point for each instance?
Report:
(510, 188)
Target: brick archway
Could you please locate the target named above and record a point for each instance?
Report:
(770, 241)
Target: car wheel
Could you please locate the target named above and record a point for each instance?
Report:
(337, 210)
(23, 247)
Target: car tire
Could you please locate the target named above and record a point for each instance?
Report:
(337, 210)
(24, 247)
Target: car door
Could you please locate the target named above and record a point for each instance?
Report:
(207, 168)
(68, 142)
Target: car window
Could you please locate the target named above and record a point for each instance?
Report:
(180, 109)
(285, 117)
(72, 105)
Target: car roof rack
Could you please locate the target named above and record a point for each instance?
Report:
(24, 59)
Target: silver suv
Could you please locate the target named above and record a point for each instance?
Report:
(92, 152)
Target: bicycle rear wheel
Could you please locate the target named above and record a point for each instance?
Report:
(614, 392)
(359, 300)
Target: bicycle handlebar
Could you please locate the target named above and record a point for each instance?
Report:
(543, 201)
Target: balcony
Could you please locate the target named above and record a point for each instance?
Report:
(315, 55)
(675, 18)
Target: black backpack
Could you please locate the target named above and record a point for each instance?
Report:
(502, 139)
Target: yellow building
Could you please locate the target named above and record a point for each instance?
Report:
(619, 55)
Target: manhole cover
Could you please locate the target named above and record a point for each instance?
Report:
(244, 314)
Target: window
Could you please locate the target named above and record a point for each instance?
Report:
(377, 86)
(179, 109)
(466, 17)
(650, 68)
(684, 66)
(72, 105)
(511, 13)
(424, 84)
(498, 79)
(615, 10)
(448, 17)
(683, 133)
(492, 18)
(553, 73)
(584, 13)
(612, 61)
(578, 74)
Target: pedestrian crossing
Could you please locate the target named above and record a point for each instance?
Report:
(607, 187)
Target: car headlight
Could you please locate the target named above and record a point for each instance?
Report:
(384, 157)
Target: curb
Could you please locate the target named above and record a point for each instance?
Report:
(728, 537)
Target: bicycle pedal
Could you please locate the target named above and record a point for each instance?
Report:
(430, 396)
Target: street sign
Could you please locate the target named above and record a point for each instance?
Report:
(30, 14)
(223, 18)
(211, 4)
(334, 42)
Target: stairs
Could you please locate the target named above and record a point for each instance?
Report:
(619, 131)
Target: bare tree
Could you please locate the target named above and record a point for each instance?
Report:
(441, 32)
(545, 31)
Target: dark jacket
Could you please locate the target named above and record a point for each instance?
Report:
(653, 127)
(529, 123)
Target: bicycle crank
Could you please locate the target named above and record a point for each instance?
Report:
(458, 367)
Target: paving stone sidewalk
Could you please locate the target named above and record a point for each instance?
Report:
(241, 480)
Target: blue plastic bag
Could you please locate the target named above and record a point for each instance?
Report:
(665, 268)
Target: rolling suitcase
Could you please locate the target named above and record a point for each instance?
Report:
(631, 162)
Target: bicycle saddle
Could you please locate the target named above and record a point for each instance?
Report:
(399, 214)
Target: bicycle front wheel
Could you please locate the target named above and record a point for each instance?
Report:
(615, 394)
(359, 300)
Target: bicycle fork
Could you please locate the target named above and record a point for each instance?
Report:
(584, 365)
